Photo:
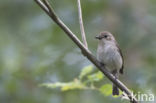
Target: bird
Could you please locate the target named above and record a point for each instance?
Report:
(110, 56)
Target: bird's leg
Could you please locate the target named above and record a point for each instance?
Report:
(115, 73)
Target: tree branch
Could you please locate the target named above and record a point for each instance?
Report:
(84, 50)
(81, 24)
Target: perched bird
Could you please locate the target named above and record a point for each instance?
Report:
(110, 56)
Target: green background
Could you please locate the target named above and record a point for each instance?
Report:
(34, 50)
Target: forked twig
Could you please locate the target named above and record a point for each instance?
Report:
(81, 24)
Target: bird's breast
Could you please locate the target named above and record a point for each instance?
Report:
(110, 56)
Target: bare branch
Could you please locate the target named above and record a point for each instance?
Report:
(81, 24)
(85, 51)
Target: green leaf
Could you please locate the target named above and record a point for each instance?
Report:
(73, 85)
(86, 70)
(53, 85)
(96, 76)
(76, 84)
(106, 89)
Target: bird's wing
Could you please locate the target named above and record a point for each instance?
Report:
(122, 67)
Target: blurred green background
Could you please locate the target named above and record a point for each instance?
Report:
(34, 50)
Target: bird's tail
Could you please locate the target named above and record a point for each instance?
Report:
(115, 90)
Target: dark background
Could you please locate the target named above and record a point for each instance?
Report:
(34, 50)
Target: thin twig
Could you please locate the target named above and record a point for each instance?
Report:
(85, 51)
(81, 24)
(47, 5)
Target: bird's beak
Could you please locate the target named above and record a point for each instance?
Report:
(97, 37)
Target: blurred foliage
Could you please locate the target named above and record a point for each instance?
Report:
(34, 50)
(86, 70)
(76, 84)
(106, 89)
(79, 83)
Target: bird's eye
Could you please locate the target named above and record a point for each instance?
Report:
(105, 36)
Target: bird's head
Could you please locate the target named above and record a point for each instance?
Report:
(105, 36)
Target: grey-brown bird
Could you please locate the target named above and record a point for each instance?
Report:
(109, 55)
